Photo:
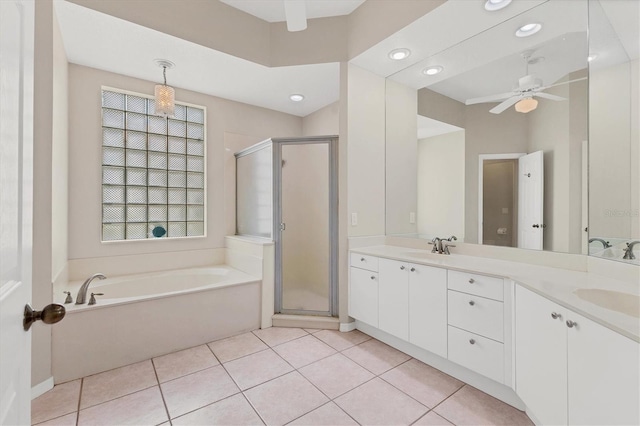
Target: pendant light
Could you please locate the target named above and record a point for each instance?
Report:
(165, 96)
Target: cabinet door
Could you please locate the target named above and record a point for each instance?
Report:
(428, 308)
(541, 357)
(363, 296)
(394, 298)
(604, 387)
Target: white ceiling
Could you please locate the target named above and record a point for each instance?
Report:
(428, 127)
(104, 42)
(273, 10)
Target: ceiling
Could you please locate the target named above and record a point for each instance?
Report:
(130, 49)
(273, 10)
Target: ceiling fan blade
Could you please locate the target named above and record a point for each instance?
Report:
(490, 98)
(505, 105)
(296, 14)
(549, 96)
(562, 83)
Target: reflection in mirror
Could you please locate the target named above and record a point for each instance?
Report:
(614, 153)
(509, 171)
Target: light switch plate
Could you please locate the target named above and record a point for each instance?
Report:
(354, 219)
(412, 217)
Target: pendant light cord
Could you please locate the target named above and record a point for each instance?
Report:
(164, 74)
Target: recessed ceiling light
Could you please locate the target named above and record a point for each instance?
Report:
(528, 30)
(592, 57)
(493, 5)
(399, 54)
(436, 69)
(296, 97)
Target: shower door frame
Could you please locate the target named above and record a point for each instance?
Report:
(332, 142)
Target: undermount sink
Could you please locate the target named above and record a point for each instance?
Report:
(625, 303)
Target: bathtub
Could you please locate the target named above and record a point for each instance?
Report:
(147, 315)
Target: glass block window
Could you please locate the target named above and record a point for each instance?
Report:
(153, 169)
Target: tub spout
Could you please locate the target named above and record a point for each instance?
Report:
(82, 293)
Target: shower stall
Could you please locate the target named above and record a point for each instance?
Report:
(287, 190)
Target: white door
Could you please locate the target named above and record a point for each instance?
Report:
(541, 357)
(393, 316)
(531, 201)
(428, 308)
(604, 375)
(16, 163)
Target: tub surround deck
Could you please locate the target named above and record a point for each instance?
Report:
(558, 285)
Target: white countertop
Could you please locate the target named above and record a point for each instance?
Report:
(555, 284)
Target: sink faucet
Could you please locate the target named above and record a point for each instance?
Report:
(452, 238)
(82, 293)
(628, 252)
(437, 245)
(604, 243)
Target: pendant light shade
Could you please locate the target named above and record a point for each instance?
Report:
(165, 96)
(526, 105)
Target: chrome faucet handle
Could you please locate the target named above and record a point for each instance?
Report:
(445, 248)
(68, 299)
(92, 299)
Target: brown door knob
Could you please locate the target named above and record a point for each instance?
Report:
(51, 314)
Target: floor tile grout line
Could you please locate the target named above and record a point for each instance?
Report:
(295, 338)
(443, 401)
(164, 402)
(79, 402)
(117, 397)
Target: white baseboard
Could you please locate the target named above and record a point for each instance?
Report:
(347, 326)
(41, 388)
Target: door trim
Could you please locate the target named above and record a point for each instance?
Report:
(332, 142)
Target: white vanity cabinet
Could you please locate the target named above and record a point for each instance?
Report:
(393, 314)
(363, 288)
(428, 308)
(583, 374)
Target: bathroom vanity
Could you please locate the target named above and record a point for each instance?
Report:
(529, 335)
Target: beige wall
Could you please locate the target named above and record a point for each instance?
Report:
(366, 151)
(60, 156)
(439, 107)
(441, 200)
(401, 162)
(612, 152)
(323, 122)
(85, 159)
(221, 27)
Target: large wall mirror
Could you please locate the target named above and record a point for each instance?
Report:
(502, 151)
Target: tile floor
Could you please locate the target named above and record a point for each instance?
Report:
(275, 376)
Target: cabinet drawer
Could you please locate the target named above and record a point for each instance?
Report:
(480, 285)
(482, 355)
(363, 261)
(476, 314)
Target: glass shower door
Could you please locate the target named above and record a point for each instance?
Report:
(305, 235)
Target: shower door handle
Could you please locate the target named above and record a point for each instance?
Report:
(283, 226)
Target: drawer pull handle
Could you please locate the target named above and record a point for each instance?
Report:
(413, 269)
(362, 259)
(471, 281)
(555, 315)
(473, 342)
(471, 302)
(571, 324)
(402, 268)
(373, 277)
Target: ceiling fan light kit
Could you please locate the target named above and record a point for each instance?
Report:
(526, 105)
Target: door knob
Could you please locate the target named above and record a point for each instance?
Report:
(51, 314)
(536, 225)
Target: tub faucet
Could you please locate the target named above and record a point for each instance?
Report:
(82, 293)
(628, 252)
(604, 243)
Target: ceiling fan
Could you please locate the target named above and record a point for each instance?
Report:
(529, 87)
